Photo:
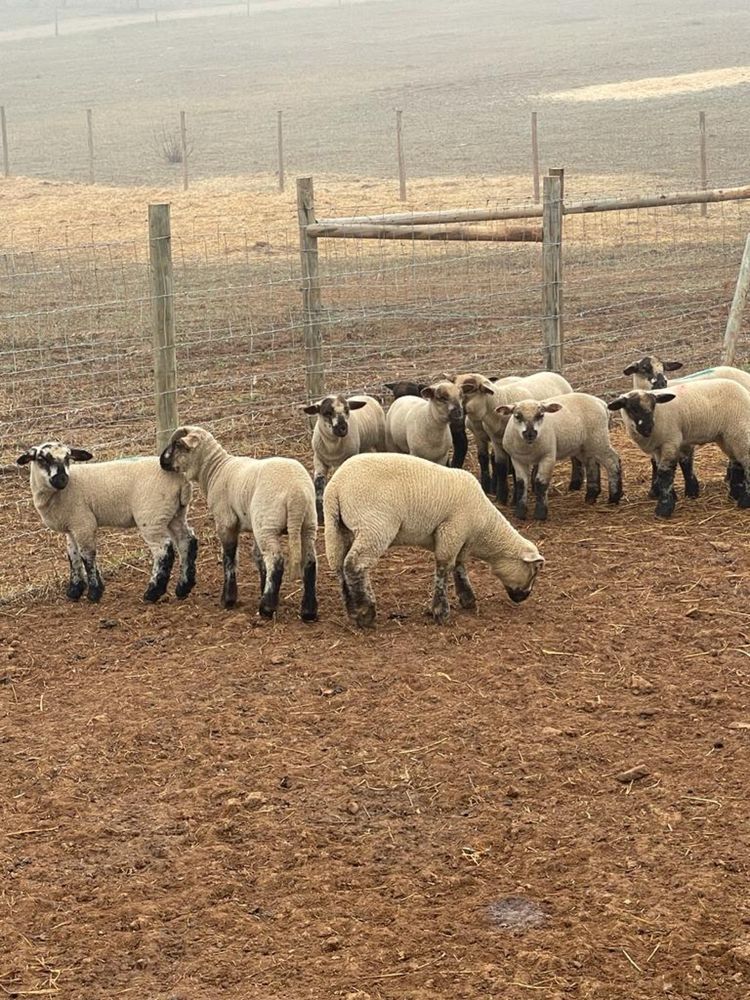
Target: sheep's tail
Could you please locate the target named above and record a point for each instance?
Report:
(295, 526)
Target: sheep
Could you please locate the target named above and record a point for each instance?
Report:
(421, 426)
(344, 427)
(540, 433)
(269, 496)
(404, 387)
(701, 412)
(376, 501)
(481, 397)
(78, 500)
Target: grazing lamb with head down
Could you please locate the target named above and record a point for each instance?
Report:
(377, 501)
(421, 427)
(666, 423)
(539, 434)
(130, 493)
(269, 496)
(344, 427)
(404, 387)
(482, 397)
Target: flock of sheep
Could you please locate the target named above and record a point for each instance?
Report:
(395, 479)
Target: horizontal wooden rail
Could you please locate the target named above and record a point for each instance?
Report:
(460, 215)
(444, 233)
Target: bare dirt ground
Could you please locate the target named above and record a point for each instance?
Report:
(199, 804)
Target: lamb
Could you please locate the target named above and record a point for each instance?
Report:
(701, 412)
(404, 387)
(482, 396)
(421, 426)
(78, 500)
(270, 497)
(376, 501)
(344, 427)
(574, 425)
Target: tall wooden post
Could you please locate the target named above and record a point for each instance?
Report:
(734, 322)
(704, 167)
(280, 143)
(535, 156)
(90, 130)
(552, 307)
(401, 163)
(311, 304)
(183, 145)
(4, 135)
(162, 296)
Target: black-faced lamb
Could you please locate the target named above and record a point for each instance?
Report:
(665, 423)
(345, 427)
(77, 500)
(374, 502)
(271, 497)
(421, 426)
(539, 434)
(481, 398)
(405, 387)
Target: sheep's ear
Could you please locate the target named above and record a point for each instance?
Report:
(356, 404)
(617, 404)
(445, 376)
(552, 407)
(536, 560)
(79, 455)
(191, 439)
(428, 392)
(28, 456)
(664, 397)
(487, 387)
(631, 369)
(505, 408)
(311, 409)
(672, 366)
(390, 386)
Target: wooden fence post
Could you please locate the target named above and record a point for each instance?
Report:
(704, 168)
(162, 296)
(552, 320)
(311, 304)
(4, 135)
(183, 146)
(734, 322)
(280, 142)
(401, 164)
(90, 130)
(535, 156)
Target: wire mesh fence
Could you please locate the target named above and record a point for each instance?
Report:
(76, 357)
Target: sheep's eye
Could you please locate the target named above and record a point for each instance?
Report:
(519, 418)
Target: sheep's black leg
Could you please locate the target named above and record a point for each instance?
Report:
(743, 487)
(351, 608)
(309, 609)
(260, 565)
(501, 480)
(320, 485)
(361, 600)
(614, 478)
(163, 563)
(460, 446)
(735, 478)
(440, 605)
(229, 592)
(464, 589)
(593, 481)
(665, 486)
(540, 492)
(96, 584)
(484, 471)
(653, 493)
(77, 583)
(269, 602)
(576, 474)
(692, 486)
(188, 557)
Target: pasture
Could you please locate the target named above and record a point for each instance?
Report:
(546, 799)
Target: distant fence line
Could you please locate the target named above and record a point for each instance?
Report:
(180, 151)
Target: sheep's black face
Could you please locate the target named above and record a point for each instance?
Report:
(649, 372)
(638, 409)
(335, 412)
(53, 459)
(516, 594)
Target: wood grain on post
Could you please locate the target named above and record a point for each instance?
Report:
(559, 172)
(704, 166)
(4, 136)
(552, 326)
(401, 163)
(183, 144)
(535, 157)
(90, 131)
(280, 143)
(162, 297)
(311, 301)
(734, 322)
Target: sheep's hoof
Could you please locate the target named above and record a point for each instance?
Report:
(744, 501)
(440, 615)
(365, 617)
(75, 591)
(228, 603)
(182, 590)
(468, 602)
(266, 611)
(95, 595)
(653, 494)
(591, 497)
(152, 595)
(540, 514)
(692, 490)
(309, 614)
(664, 510)
(614, 499)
